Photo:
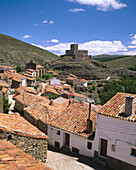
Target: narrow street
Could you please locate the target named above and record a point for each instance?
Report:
(59, 161)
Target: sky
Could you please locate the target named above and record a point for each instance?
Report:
(99, 26)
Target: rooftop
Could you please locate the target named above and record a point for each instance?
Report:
(116, 106)
(28, 99)
(27, 89)
(17, 75)
(39, 66)
(4, 83)
(74, 119)
(16, 124)
(6, 67)
(13, 158)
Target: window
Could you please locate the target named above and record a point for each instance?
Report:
(75, 150)
(133, 152)
(57, 144)
(89, 145)
(113, 148)
(58, 132)
(9, 137)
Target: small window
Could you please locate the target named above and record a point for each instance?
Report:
(75, 150)
(113, 148)
(58, 132)
(133, 152)
(89, 145)
(57, 144)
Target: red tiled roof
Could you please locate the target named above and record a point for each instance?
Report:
(4, 89)
(6, 67)
(22, 88)
(18, 125)
(28, 99)
(50, 89)
(71, 78)
(4, 83)
(74, 119)
(31, 70)
(83, 80)
(13, 158)
(116, 106)
(17, 75)
(80, 95)
(73, 75)
(39, 66)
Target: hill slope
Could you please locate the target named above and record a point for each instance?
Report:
(13, 52)
(89, 69)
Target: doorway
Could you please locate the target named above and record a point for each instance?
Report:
(103, 151)
(67, 139)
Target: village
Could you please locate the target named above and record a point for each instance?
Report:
(50, 113)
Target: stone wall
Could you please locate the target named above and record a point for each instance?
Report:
(37, 148)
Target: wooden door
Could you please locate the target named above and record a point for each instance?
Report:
(104, 147)
(67, 139)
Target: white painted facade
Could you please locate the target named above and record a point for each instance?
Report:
(121, 136)
(76, 141)
(24, 82)
(84, 83)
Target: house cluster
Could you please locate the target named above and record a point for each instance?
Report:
(69, 122)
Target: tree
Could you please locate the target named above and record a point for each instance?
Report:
(18, 69)
(47, 76)
(6, 105)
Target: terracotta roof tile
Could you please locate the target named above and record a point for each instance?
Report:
(5, 67)
(74, 119)
(16, 124)
(80, 95)
(28, 99)
(116, 105)
(39, 66)
(4, 83)
(23, 88)
(13, 158)
(71, 78)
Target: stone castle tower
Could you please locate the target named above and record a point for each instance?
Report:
(76, 54)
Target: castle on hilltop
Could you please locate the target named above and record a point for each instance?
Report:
(76, 54)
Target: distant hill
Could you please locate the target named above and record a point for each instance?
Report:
(14, 52)
(88, 69)
(106, 57)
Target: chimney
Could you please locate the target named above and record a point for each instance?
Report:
(51, 102)
(90, 125)
(1, 102)
(129, 106)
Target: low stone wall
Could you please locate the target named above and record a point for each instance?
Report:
(36, 147)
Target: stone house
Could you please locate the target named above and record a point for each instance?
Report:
(73, 129)
(54, 81)
(18, 80)
(115, 139)
(73, 81)
(49, 91)
(14, 158)
(38, 68)
(23, 135)
(76, 54)
(84, 82)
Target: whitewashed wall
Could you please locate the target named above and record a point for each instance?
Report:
(24, 83)
(75, 141)
(118, 132)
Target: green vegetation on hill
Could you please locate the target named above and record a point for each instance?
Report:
(106, 57)
(111, 88)
(14, 52)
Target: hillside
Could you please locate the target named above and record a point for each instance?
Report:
(89, 69)
(14, 52)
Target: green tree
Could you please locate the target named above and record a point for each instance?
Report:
(37, 79)
(18, 69)
(6, 105)
(47, 76)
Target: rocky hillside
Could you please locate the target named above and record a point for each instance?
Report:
(89, 69)
(14, 52)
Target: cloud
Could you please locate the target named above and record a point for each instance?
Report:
(26, 36)
(103, 5)
(53, 41)
(51, 22)
(76, 10)
(132, 52)
(45, 22)
(131, 46)
(133, 39)
(94, 47)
